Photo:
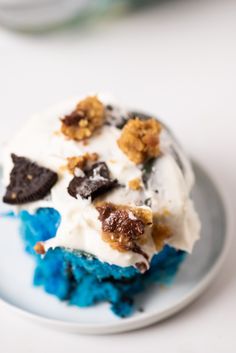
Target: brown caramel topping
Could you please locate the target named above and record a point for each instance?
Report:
(124, 227)
(121, 223)
(135, 184)
(39, 248)
(141, 266)
(160, 233)
(140, 139)
(81, 161)
(84, 120)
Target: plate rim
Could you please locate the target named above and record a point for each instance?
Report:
(146, 319)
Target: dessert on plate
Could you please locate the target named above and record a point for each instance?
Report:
(103, 198)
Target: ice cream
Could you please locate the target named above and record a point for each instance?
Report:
(151, 192)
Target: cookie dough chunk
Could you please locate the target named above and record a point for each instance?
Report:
(140, 140)
(135, 184)
(88, 116)
(81, 161)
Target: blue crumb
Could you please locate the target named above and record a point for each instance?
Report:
(83, 280)
(9, 214)
(40, 226)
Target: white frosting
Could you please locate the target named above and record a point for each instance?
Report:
(80, 228)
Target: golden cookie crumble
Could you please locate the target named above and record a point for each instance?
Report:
(81, 161)
(135, 184)
(140, 139)
(87, 117)
(160, 233)
(123, 227)
(161, 230)
(39, 248)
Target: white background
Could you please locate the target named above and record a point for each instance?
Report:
(178, 60)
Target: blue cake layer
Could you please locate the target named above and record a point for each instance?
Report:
(83, 280)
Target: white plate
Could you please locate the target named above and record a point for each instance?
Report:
(196, 273)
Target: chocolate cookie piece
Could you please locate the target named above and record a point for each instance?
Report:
(141, 266)
(95, 182)
(178, 159)
(28, 182)
(140, 115)
(115, 117)
(147, 170)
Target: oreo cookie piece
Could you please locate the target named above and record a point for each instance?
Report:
(28, 182)
(178, 159)
(143, 116)
(115, 116)
(95, 182)
(147, 170)
(140, 115)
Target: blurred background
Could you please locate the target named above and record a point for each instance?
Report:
(173, 58)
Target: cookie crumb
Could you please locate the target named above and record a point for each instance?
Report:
(124, 227)
(140, 140)
(56, 133)
(135, 184)
(160, 233)
(88, 116)
(141, 266)
(81, 161)
(39, 249)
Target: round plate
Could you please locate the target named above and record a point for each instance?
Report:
(17, 291)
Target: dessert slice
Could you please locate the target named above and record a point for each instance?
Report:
(103, 198)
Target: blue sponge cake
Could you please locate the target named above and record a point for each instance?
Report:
(103, 198)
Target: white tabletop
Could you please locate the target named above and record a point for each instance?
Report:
(177, 60)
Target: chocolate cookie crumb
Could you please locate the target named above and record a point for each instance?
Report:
(178, 160)
(115, 116)
(141, 266)
(147, 170)
(141, 310)
(137, 249)
(28, 182)
(140, 115)
(148, 202)
(96, 182)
